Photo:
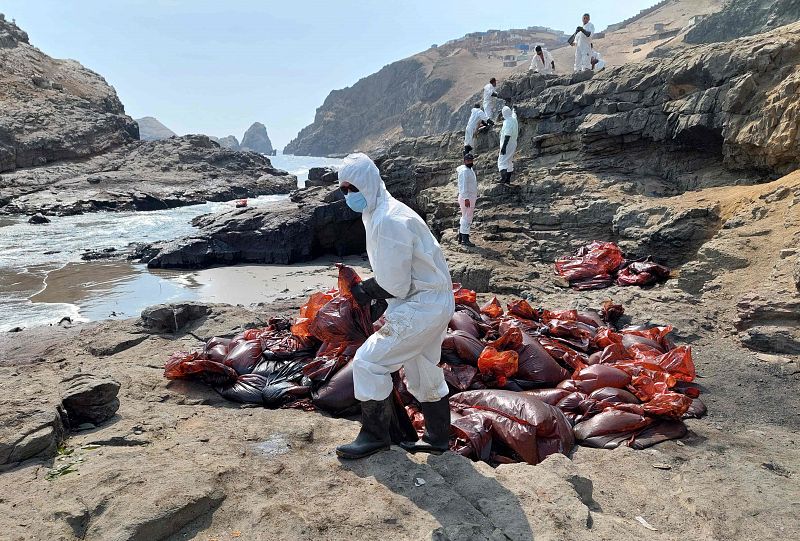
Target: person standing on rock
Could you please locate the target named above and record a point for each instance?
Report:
(543, 62)
(598, 64)
(489, 94)
(477, 120)
(467, 197)
(582, 44)
(508, 145)
(412, 275)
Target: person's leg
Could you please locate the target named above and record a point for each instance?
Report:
(467, 213)
(426, 382)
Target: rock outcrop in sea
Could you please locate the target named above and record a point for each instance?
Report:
(256, 139)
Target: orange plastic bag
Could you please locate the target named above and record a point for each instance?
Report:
(668, 404)
(500, 364)
(678, 362)
(493, 308)
(463, 295)
(521, 309)
(308, 311)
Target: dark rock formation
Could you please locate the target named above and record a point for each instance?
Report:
(90, 399)
(150, 129)
(29, 429)
(744, 18)
(312, 223)
(256, 139)
(144, 176)
(38, 218)
(53, 109)
(321, 176)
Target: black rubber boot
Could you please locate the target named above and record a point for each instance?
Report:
(436, 439)
(503, 176)
(376, 416)
(508, 177)
(460, 238)
(466, 242)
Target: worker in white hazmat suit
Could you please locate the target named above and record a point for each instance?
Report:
(582, 44)
(489, 94)
(412, 274)
(543, 62)
(596, 59)
(467, 197)
(508, 145)
(477, 119)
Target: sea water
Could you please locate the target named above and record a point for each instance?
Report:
(43, 279)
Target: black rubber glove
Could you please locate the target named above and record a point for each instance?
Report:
(494, 94)
(377, 309)
(368, 290)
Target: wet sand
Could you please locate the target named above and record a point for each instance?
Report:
(93, 291)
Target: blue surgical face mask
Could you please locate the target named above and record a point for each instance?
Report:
(356, 201)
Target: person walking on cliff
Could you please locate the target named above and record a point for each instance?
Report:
(508, 145)
(543, 62)
(583, 50)
(478, 120)
(411, 273)
(489, 94)
(467, 197)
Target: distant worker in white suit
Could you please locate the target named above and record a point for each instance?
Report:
(508, 145)
(543, 62)
(582, 44)
(598, 64)
(489, 94)
(467, 197)
(478, 119)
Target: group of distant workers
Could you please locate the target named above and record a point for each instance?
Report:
(481, 119)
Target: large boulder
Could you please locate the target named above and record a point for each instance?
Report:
(90, 399)
(312, 223)
(29, 429)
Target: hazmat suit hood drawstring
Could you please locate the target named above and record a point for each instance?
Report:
(362, 173)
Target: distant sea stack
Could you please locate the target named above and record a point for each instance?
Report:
(150, 129)
(230, 142)
(256, 139)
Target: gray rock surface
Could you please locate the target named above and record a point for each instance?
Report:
(256, 139)
(744, 18)
(38, 218)
(145, 175)
(29, 429)
(53, 109)
(151, 129)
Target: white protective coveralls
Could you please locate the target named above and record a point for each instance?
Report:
(409, 264)
(475, 117)
(545, 66)
(599, 62)
(583, 49)
(488, 100)
(511, 128)
(467, 191)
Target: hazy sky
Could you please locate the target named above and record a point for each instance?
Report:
(215, 67)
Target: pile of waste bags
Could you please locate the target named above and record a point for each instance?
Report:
(524, 382)
(601, 264)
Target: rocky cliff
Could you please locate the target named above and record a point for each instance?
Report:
(256, 139)
(150, 129)
(744, 18)
(427, 93)
(53, 109)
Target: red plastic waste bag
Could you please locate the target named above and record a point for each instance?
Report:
(531, 429)
(183, 365)
(461, 347)
(244, 357)
(642, 273)
(459, 377)
(246, 389)
(597, 258)
(610, 427)
(521, 309)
